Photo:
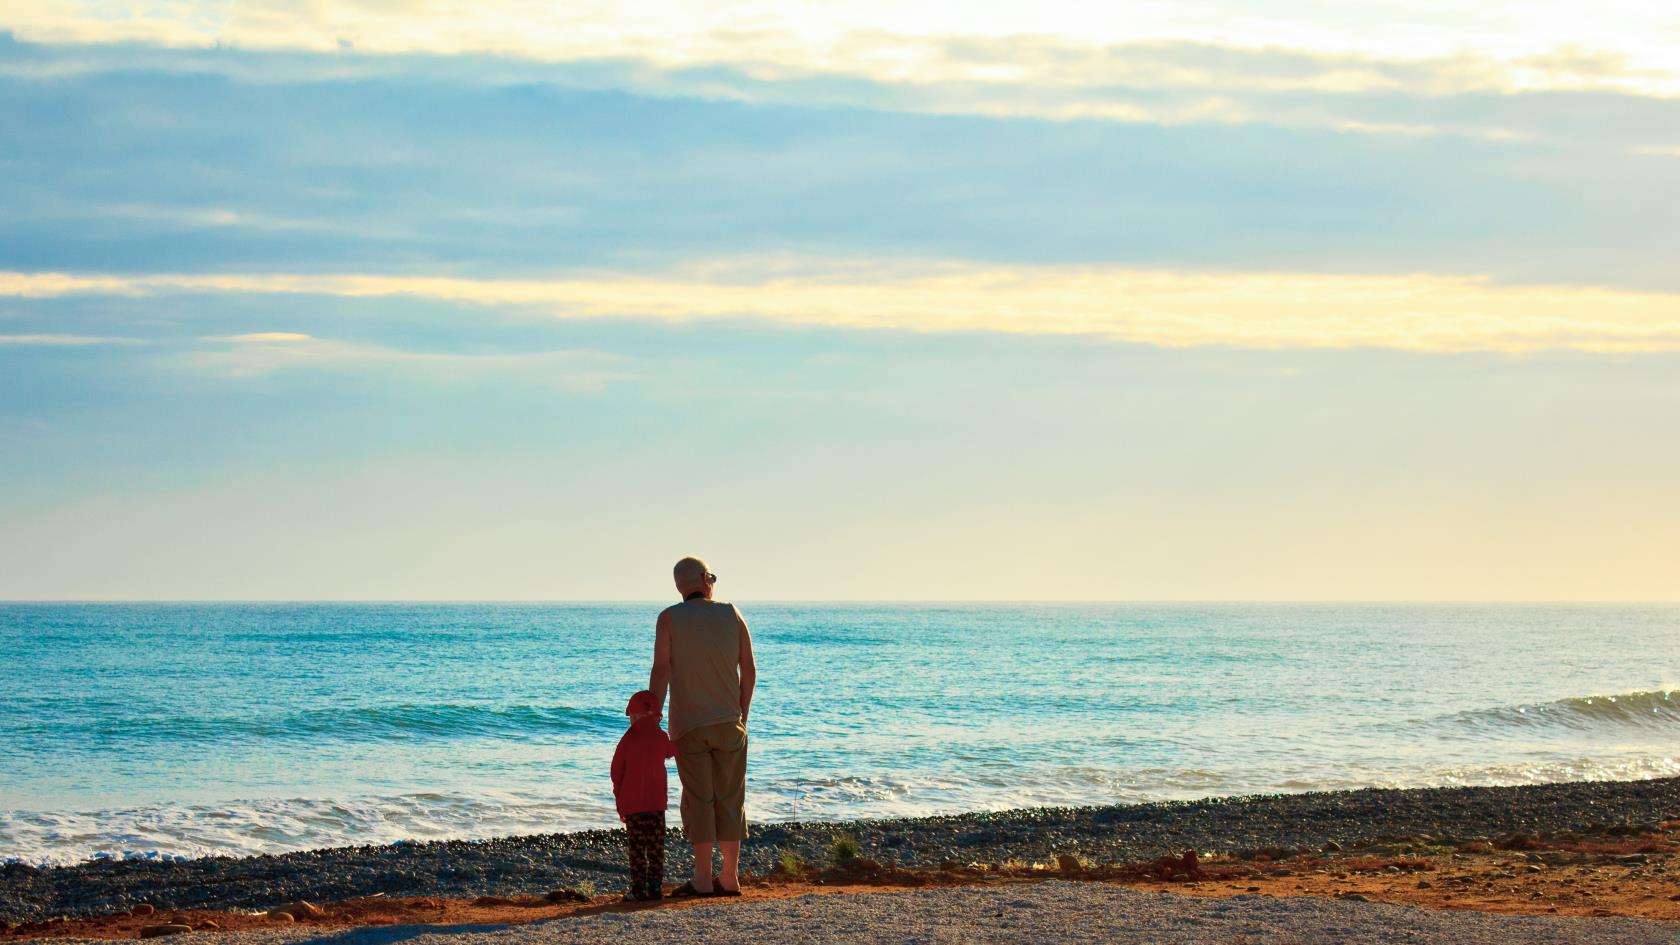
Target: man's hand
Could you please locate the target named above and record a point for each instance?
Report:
(748, 668)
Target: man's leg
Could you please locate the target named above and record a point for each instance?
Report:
(694, 767)
(730, 878)
(729, 784)
(702, 879)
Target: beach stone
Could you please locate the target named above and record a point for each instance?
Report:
(1068, 863)
(142, 909)
(166, 928)
(282, 915)
(565, 895)
(492, 901)
(1331, 846)
(304, 909)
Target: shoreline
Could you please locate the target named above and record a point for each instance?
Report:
(1272, 827)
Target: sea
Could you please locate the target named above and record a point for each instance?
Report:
(164, 730)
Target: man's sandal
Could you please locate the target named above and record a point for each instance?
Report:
(687, 891)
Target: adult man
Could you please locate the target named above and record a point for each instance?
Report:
(703, 652)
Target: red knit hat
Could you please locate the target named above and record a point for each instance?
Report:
(639, 703)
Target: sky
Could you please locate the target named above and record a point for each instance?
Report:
(1280, 300)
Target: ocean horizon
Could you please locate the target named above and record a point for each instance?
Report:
(180, 729)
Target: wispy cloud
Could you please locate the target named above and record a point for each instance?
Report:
(256, 354)
(1167, 308)
(512, 170)
(1161, 82)
(66, 341)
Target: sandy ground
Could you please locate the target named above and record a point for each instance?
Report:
(1055, 911)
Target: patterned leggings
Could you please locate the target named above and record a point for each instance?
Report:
(644, 837)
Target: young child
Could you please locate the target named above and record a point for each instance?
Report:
(638, 776)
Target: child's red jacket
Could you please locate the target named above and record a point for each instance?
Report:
(638, 768)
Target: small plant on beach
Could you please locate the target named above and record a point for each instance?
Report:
(790, 863)
(587, 888)
(844, 849)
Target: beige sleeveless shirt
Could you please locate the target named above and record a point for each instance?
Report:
(705, 664)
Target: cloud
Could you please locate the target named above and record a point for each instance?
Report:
(264, 337)
(1161, 82)
(70, 341)
(1165, 308)
(257, 354)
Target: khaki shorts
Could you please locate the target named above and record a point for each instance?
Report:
(712, 763)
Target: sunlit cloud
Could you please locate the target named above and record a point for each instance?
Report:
(1165, 308)
(263, 337)
(1619, 43)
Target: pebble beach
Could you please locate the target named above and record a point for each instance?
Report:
(1274, 827)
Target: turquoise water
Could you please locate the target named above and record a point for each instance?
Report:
(165, 729)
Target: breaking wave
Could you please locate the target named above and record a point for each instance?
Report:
(1655, 709)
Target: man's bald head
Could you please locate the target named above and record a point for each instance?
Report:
(692, 575)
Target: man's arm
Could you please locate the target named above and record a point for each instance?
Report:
(749, 669)
(660, 679)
